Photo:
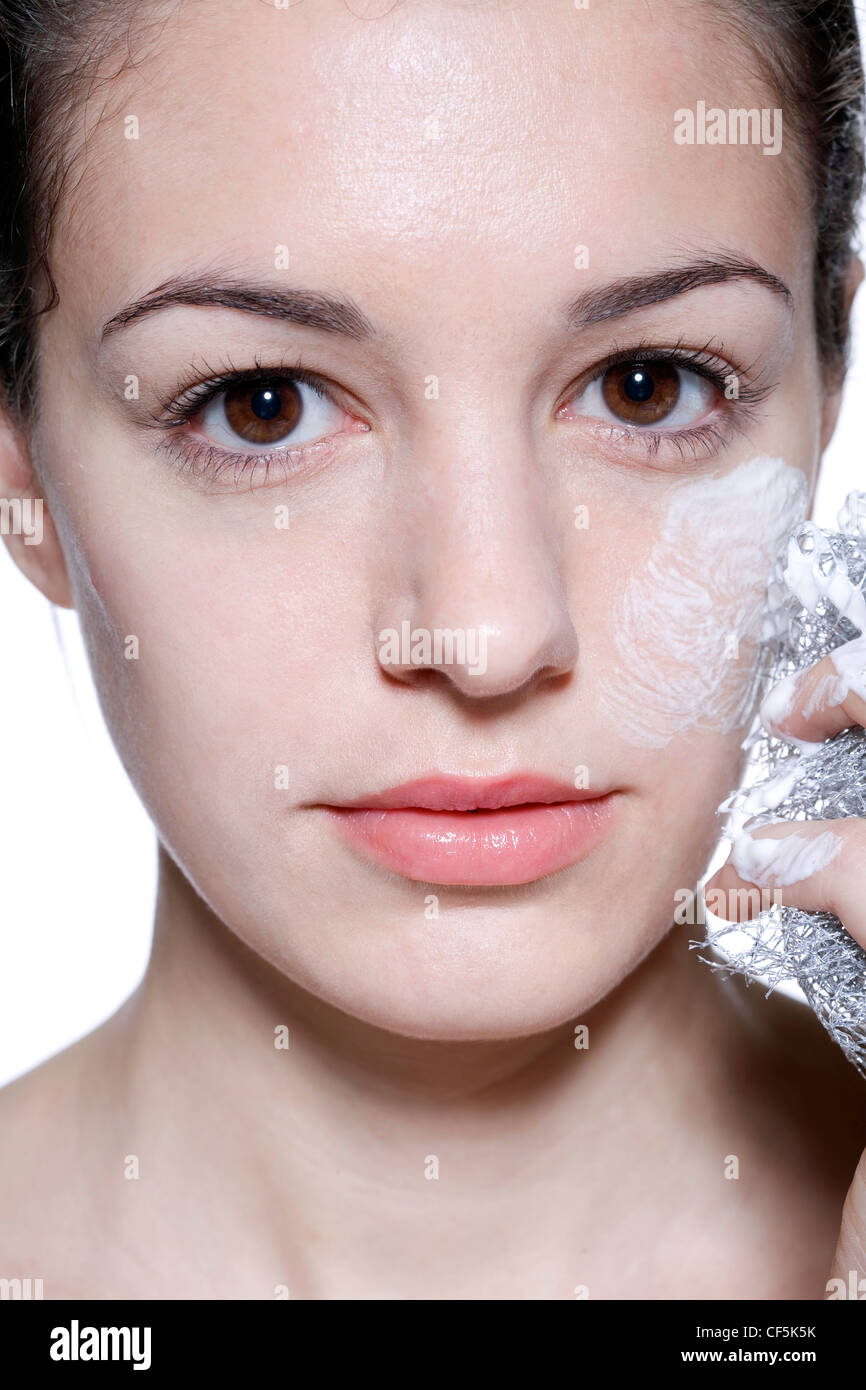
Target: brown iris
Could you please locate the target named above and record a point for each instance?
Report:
(641, 393)
(263, 413)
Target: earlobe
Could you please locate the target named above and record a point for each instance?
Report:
(853, 280)
(26, 525)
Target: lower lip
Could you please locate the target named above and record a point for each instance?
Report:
(516, 844)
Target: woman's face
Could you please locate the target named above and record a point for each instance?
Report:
(496, 192)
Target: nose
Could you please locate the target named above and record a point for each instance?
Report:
(477, 595)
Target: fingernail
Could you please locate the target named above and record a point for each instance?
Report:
(772, 862)
(779, 702)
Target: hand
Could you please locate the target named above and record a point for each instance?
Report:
(816, 866)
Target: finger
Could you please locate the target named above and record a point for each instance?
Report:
(849, 1261)
(818, 866)
(826, 698)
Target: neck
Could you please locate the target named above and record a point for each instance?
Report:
(324, 1158)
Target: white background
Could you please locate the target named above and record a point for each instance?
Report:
(77, 852)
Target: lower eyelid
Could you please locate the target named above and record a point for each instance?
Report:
(676, 446)
(206, 462)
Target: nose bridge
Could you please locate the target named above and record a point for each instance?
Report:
(482, 506)
(485, 600)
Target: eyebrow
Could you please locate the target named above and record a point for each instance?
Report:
(622, 297)
(343, 317)
(315, 310)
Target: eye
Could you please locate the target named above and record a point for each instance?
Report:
(648, 393)
(268, 412)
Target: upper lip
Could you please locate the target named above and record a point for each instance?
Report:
(445, 792)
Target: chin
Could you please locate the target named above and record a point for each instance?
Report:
(475, 972)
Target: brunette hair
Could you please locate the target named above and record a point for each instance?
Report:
(52, 51)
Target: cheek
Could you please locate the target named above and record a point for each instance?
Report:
(687, 624)
(214, 655)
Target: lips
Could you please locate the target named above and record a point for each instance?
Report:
(473, 832)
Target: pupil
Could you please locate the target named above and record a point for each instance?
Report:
(266, 403)
(638, 385)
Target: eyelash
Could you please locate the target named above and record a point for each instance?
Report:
(204, 460)
(705, 362)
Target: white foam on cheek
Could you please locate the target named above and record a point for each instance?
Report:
(701, 593)
(770, 863)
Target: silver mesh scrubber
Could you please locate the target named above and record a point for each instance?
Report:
(820, 577)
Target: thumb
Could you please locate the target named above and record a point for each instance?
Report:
(850, 1257)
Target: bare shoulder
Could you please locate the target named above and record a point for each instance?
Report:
(43, 1158)
(32, 1107)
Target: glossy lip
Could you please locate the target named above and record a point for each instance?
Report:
(476, 832)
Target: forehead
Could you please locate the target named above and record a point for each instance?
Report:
(433, 138)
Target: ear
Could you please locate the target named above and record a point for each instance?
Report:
(833, 396)
(25, 521)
